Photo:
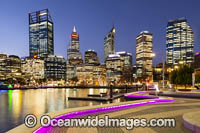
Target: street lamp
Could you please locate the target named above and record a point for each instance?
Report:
(163, 65)
(152, 55)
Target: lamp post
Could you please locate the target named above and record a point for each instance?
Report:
(152, 55)
(163, 72)
(163, 67)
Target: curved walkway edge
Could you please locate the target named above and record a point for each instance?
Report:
(192, 121)
(83, 111)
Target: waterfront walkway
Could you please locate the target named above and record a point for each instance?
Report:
(175, 109)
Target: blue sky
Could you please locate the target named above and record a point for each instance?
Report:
(93, 20)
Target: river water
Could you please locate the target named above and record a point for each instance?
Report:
(16, 104)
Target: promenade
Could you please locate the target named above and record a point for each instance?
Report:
(168, 108)
(162, 110)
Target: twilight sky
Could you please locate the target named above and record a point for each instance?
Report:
(93, 20)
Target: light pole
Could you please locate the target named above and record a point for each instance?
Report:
(163, 71)
(163, 67)
(152, 55)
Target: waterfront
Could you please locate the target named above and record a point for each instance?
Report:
(16, 104)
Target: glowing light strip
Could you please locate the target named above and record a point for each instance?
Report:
(105, 109)
(136, 96)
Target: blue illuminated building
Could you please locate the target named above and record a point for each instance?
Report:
(41, 41)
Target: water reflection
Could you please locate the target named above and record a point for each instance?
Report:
(16, 104)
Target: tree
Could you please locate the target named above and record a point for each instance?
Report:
(197, 78)
(173, 78)
(182, 76)
(185, 75)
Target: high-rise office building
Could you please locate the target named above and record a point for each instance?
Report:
(109, 43)
(41, 41)
(73, 51)
(144, 44)
(179, 43)
(114, 68)
(91, 57)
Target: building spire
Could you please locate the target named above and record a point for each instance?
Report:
(74, 29)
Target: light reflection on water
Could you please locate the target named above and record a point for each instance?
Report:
(16, 104)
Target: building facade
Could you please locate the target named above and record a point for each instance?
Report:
(109, 44)
(197, 60)
(127, 57)
(179, 42)
(13, 66)
(114, 68)
(3, 65)
(99, 75)
(71, 73)
(74, 56)
(55, 68)
(144, 45)
(33, 67)
(41, 40)
(127, 74)
(10, 68)
(85, 74)
(91, 57)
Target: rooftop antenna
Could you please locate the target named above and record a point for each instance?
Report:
(74, 29)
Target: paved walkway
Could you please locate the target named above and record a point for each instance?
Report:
(164, 110)
(175, 110)
(192, 121)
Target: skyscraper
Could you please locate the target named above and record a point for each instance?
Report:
(91, 57)
(41, 34)
(109, 43)
(73, 51)
(144, 44)
(180, 42)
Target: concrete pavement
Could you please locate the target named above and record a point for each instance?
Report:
(175, 110)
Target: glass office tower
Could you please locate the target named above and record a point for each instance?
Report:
(179, 42)
(144, 44)
(41, 34)
(109, 44)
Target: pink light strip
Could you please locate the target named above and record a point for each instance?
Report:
(105, 109)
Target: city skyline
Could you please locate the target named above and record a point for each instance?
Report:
(126, 31)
